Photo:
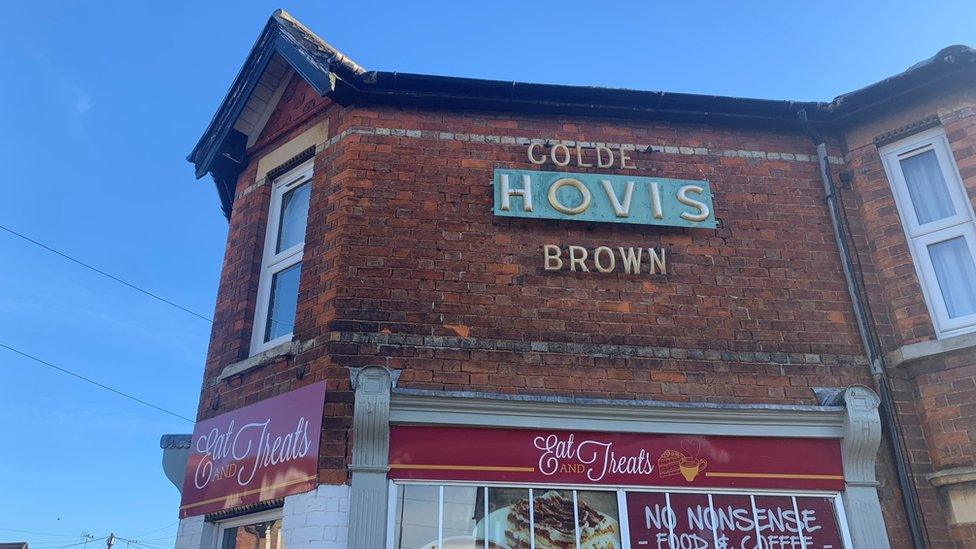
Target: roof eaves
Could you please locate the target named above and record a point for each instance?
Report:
(220, 151)
(453, 92)
(311, 41)
(947, 63)
(311, 57)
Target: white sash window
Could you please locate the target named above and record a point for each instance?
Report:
(281, 266)
(938, 219)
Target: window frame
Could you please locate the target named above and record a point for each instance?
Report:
(244, 520)
(623, 512)
(273, 262)
(919, 237)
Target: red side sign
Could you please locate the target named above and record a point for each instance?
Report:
(635, 459)
(260, 452)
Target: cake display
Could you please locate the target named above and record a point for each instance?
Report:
(554, 524)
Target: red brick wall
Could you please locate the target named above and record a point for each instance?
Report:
(406, 266)
(947, 402)
(934, 396)
(902, 294)
(426, 253)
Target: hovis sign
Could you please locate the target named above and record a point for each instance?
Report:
(603, 198)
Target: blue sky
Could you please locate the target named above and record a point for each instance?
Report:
(101, 102)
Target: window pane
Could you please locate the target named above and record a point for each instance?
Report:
(416, 518)
(927, 187)
(294, 216)
(956, 272)
(819, 521)
(598, 520)
(462, 507)
(778, 521)
(692, 526)
(554, 519)
(261, 535)
(734, 519)
(284, 299)
(508, 518)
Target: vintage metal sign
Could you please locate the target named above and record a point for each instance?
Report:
(260, 452)
(603, 198)
(628, 459)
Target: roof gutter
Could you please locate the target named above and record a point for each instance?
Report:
(952, 62)
(463, 93)
(220, 150)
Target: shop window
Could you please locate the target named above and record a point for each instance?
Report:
(281, 264)
(257, 531)
(938, 220)
(454, 517)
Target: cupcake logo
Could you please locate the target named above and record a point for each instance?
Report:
(684, 462)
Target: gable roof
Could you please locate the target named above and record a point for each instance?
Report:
(285, 42)
(220, 151)
(315, 60)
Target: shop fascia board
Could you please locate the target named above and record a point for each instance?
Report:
(413, 406)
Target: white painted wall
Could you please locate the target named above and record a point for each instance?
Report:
(318, 519)
(195, 533)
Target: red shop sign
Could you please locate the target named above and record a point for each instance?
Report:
(634, 459)
(263, 451)
(659, 520)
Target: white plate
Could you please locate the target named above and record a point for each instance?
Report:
(461, 541)
(498, 522)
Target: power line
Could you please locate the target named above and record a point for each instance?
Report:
(105, 274)
(144, 543)
(40, 533)
(60, 544)
(81, 543)
(93, 382)
(63, 544)
(170, 525)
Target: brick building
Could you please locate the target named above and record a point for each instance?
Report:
(558, 316)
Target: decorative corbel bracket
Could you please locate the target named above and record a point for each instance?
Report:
(370, 455)
(859, 450)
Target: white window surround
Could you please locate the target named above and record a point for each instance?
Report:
(244, 520)
(274, 261)
(961, 223)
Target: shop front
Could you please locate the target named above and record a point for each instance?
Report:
(553, 488)
(470, 470)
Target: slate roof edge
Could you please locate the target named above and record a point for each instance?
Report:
(220, 150)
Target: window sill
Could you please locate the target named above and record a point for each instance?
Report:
(907, 354)
(274, 354)
(948, 477)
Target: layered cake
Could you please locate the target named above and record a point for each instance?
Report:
(554, 524)
(669, 463)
